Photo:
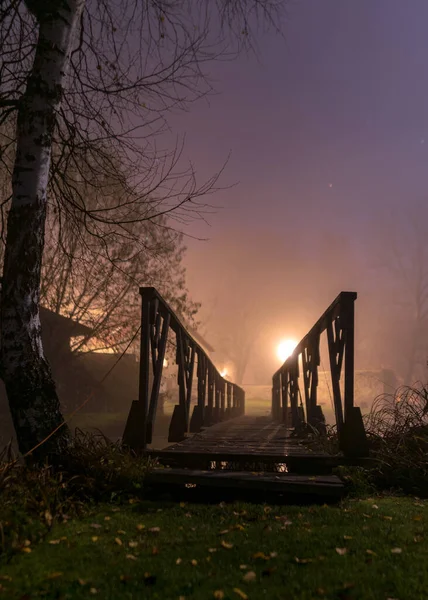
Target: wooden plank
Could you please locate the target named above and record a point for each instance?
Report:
(325, 485)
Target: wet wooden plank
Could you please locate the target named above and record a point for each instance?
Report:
(325, 485)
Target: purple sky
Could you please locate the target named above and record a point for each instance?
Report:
(342, 100)
(327, 128)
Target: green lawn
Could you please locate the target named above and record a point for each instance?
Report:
(372, 549)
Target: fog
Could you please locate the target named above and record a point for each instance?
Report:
(326, 188)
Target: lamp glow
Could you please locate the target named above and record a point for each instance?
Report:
(285, 349)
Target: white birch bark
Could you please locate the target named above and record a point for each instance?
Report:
(30, 388)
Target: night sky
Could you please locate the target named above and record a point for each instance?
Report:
(328, 133)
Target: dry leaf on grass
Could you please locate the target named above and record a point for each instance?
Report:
(94, 538)
(396, 550)
(55, 574)
(371, 552)
(131, 557)
(250, 576)
(118, 541)
(140, 527)
(54, 542)
(95, 525)
(194, 562)
(226, 545)
(132, 544)
(341, 551)
(261, 555)
(240, 593)
(154, 529)
(303, 561)
(218, 595)
(178, 561)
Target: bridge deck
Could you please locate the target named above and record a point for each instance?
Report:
(248, 453)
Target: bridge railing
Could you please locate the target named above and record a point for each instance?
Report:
(217, 398)
(338, 322)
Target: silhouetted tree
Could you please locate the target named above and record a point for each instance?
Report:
(83, 82)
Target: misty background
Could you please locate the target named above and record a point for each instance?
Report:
(325, 187)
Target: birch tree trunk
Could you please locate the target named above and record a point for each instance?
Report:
(26, 373)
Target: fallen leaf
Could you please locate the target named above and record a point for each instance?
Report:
(386, 518)
(132, 544)
(396, 550)
(226, 545)
(124, 578)
(212, 549)
(261, 555)
(93, 590)
(243, 567)
(154, 529)
(121, 532)
(182, 504)
(140, 527)
(375, 506)
(48, 518)
(371, 552)
(418, 538)
(131, 557)
(240, 593)
(194, 562)
(27, 550)
(107, 518)
(273, 554)
(95, 525)
(155, 550)
(55, 574)
(81, 581)
(94, 538)
(303, 561)
(54, 542)
(417, 518)
(224, 532)
(347, 537)
(249, 576)
(218, 595)
(178, 561)
(341, 551)
(118, 541)
(27, 543)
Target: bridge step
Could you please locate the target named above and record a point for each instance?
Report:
(297, 462)
(322, 487)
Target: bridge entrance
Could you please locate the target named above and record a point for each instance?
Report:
(215, 445)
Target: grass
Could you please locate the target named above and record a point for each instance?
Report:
(362, 549)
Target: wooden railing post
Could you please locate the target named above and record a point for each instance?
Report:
(135, 433)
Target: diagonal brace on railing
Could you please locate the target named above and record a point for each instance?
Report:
(217, 398)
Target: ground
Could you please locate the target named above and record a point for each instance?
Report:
(362, 549)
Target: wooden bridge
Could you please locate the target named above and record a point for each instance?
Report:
(215, 446)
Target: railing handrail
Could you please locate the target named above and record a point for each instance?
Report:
(217, 398)
(176, 324)
(319, 327)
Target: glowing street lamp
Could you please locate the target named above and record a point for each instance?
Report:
(285, 349)
(223, 373)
